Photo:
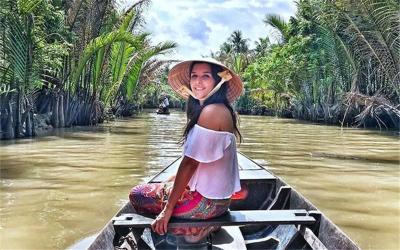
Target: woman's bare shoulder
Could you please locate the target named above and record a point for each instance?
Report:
(216, 117)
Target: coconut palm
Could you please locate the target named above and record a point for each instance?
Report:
(18, 78)
(369, 34)
(263, 45)
(280, 25)
(67, 69)
(239, 44)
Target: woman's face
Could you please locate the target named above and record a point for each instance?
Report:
(201, 80)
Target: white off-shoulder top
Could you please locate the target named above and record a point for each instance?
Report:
(217, 176)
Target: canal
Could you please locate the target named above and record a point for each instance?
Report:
(60, 188)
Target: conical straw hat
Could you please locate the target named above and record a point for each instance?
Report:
(179, 76)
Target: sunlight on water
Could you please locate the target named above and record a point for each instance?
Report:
(58, 189)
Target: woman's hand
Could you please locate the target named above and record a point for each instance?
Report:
(160, 224)
(185, 171)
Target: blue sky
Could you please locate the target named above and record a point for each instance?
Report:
(201, 26)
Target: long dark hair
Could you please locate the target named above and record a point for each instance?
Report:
(193, 107)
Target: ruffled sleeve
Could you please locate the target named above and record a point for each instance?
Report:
(206, 145)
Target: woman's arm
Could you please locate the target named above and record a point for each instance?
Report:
(185, 171)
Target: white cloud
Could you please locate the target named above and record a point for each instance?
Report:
(202, 26)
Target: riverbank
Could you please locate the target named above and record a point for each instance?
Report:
(43, 124)
(327, 116)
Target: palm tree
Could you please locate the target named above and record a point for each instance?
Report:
(280, 25)
(128, 54)
(18, 78)
(369, 34)
(69, 68)
(239, 44)
(262, 46)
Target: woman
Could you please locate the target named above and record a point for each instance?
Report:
(208, 174)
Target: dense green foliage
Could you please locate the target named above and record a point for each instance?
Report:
(336, 62)
(71, 62)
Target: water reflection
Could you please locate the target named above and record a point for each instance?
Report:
(65, 186)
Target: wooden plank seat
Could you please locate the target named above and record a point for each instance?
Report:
(231, 218)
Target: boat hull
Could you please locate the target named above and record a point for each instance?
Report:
(265, 191)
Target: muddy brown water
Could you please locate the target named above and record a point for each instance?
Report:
(60, 188)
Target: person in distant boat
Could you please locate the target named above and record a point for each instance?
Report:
(208, 174)
(164, 105)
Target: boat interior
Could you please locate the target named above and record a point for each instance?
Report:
(260, 191)
(266, 214)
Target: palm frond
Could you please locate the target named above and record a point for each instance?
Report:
(98, 68)
(126, 20)
(374, 108)
(279, 24)
(385, 16)
(102, 41)
(119, 57)
(138, 19)
(134, 73)
(27, 6)
(364, 39)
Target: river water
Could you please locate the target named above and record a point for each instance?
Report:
(58, 189)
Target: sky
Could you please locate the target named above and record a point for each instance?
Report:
(201, 26)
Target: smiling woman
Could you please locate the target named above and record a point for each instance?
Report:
(208, 175)
(201, 79)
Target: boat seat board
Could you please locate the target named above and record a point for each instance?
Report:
(231, 218)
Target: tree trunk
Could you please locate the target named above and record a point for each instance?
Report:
(9, 126)
(1, 116)
(55, 115)
(28, 125)
(47, 105)
(17, 121)
(61, 111)
(67, 109)
(32, 123)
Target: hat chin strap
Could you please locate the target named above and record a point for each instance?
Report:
(225, 76)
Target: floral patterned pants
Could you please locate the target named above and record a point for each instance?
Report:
(151, 198)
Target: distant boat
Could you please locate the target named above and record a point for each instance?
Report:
(269, 215)
(163, 112)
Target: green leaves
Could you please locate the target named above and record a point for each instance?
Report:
(17, 48)
(114, 61)
(27, 6)
(103, 41)
(329, 49)
(137, 66)
(279, 24)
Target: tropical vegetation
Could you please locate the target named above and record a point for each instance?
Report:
(335, 62)
(66, 63)
(71, 63)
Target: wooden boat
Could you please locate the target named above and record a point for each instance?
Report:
(267, 220)
(162, 112)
